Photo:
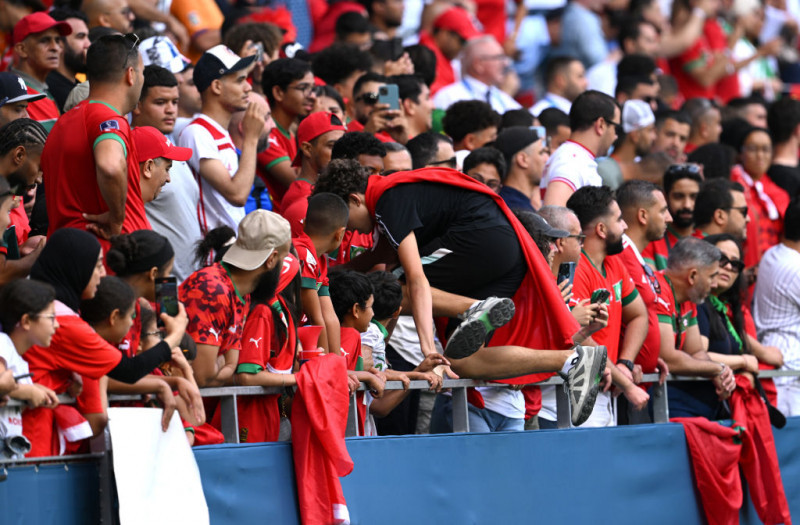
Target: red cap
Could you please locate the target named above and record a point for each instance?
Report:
(458, 21)
(37, 23)
(313, 126)
(152, 144)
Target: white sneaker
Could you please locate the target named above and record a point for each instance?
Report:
(479, 322)
(584, 381)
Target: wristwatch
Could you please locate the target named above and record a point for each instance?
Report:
(627, 363)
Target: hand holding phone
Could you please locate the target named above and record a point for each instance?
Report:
(166, 298)
(566, 272)
(600, 296)
(390, 95)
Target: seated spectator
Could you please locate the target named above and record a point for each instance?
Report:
(706, 123)
(324, 229)
(217, 296)
(525, 154)
(784, 126)
(225, 178)
(471, 124)
(692, 268)
(672, 134)
(638, 125)
(432, 149)
(72, 262)
(452, 29)
(556, 125)
(27, 315)
(721, 208)
(483, 67)
(397, 158)
(488, 166)
(565, 79)
(594, 120)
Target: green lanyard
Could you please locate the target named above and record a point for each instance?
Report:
(722, 308)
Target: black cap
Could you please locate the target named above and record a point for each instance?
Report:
(512, 140)
(541, 225)
(216, 63)
(13, 90)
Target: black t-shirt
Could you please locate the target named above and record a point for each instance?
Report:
(59, 87)
(787, 177)
(431, 210)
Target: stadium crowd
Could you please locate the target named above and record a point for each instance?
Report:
(427, 189)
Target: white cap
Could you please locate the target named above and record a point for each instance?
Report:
(636, 114)
(160, 51)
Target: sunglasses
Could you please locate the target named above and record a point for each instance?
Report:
(368, 98)
(734, 264)
(741, 209)
(617, 125)
(675, 169)
(452, 162)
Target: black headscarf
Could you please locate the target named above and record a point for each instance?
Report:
(67, 263)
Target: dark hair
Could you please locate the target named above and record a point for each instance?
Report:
(388, 293)
(267, 34)
(282, 72)
(355, 143)
(486, 155)
(627, 84)
(21, 132)
(423, 148)
(530, 224)
(326, 213)
(424, 61)
(636, 194)
(588, 107)
(557, 66)
(717, 160)
(552, 118)
(783, 117)
(468, 116)
(147, 317)
(218, 241)
(112, 294)
(98, 32)
(139, 252)
(697, 108)
(677, 172)
(631, 29)
(157, 76)
(677, 116)
(328, 91)
(348, 288)
(351, 22)
(409, 87)
(342, 177)
(516, 117)
(715, 194)
(59, 14)
(636, 65)
(590, 203)
(791, 221)
(109, 57)
(369, 76)
(733, 296)
(337, 62)
(20, 297)
(33, 5)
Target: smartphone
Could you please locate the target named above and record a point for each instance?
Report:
(389, 94)
(259, 47)
(388, 50)
(566, 271)
(166, 297)
(600, 296)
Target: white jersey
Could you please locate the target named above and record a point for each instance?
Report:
(573, 165)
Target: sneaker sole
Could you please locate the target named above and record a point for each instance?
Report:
(591, 396)
(471, 335)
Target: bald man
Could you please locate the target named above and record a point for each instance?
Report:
(116, 14)
(483, 64)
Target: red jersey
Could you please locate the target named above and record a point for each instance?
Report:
(645, 281)
(613, 277)
(313, 269)
(679, 316)
(699, 56)
(353, 244)
(727, 87)
(444, 69)
(216, 310)
(657, 252)
(130, 343)
(70, 173)
(282, 146)
(355, 125)
(22, 226)
(299, 190)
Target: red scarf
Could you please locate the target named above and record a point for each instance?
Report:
(542, 321)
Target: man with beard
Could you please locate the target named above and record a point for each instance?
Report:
(638, 123)
(62, 80)
(565, 78)
(644, 210)
(217, 297)
(594, 120)
(225, 178)
(602, 223)
(721, 208)
(672, 134)
(681, 186)
(690, 275)
(37, 51)
(386, 15)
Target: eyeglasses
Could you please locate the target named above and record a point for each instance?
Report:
(368, 98)
(617, 125)
(493, 184)
(580, 237)
(305, 88)
(651, 278)
(452, 162)
(499, 56)
(741, 209)
(734, 264)
(52, 317)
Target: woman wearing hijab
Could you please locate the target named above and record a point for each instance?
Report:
(72, 263)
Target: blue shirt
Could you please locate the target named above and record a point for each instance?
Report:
(515, 199)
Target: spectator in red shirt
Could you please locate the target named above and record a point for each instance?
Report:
(364, 112)
(721, 208)
(451, 31)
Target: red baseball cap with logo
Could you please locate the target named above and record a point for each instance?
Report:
(457, 20)
(37, 23)
(313, 126)
(152, 144)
